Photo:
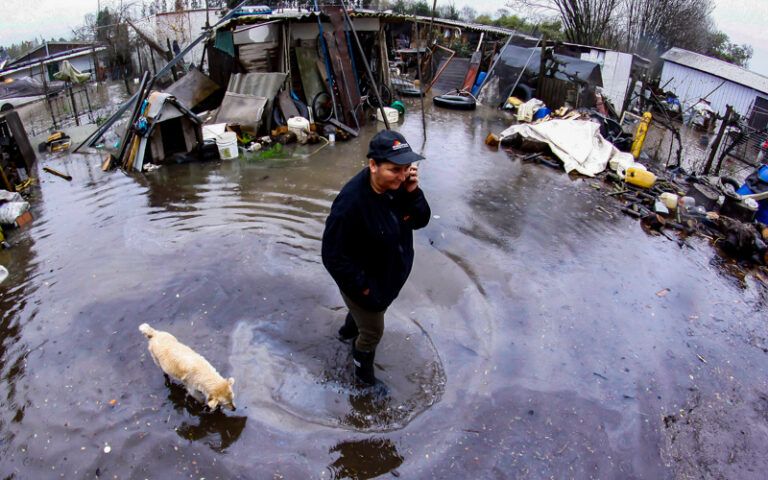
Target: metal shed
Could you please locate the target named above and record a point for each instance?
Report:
(692, 76)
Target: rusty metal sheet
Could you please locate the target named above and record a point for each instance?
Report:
(192, 88)
(259, 84)
(243, 110)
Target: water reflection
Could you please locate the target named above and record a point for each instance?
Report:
(365, 459)
(214, 428)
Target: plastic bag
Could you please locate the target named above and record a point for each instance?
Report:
(10, 211)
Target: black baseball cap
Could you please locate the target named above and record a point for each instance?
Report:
(390, 146)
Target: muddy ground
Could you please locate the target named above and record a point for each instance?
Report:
(537, 337)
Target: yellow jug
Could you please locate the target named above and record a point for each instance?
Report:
(640, 177)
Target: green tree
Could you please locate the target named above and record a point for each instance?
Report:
(721, 47)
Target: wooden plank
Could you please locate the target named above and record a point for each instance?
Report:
(287, 106)
(311, 81)
(20, 137)
(342, 67)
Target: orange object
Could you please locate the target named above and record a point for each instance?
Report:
(23, 219)
(492, 140)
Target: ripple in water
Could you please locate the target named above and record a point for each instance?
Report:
(307, 379)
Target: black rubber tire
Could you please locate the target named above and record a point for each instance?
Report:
(523, 92)
(455, 102)
(730, 181)
(386, 97)
(7, 107)
(322, 107)
(277, 115)
(409, 92)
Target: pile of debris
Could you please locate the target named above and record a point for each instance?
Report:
(733, 216)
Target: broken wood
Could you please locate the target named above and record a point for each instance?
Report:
(59, 174)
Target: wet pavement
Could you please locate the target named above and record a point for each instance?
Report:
(535, 338)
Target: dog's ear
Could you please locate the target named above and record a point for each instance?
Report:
(213, 403)
(231, 381)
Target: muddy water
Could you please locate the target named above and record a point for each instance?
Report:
(535, 338)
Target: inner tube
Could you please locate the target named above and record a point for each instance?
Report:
(409, 92)
(523, 92)
(456, 102)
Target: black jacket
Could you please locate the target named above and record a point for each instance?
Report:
(368, 240)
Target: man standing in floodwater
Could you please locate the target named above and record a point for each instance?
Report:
(368, 241)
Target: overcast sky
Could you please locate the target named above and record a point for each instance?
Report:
(745, 21)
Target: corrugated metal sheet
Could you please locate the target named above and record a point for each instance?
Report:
(295, 15)
(691, 84)
(719, 68)
(258, 84)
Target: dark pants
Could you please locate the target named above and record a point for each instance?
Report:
(369, 324)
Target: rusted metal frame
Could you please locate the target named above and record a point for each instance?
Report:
(453, 54)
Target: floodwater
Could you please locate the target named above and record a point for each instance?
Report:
(542, 334)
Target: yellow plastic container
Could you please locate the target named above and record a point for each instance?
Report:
(640, 177)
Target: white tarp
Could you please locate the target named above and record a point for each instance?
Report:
(577, 143)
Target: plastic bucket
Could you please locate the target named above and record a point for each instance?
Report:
(299, 126)
(3, 273)
(392, 115)
(227, 145)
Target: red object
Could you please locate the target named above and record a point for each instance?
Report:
(474, 66)
(23, 219)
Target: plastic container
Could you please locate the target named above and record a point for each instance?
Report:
(525, 112)
(392, 115)
(227, 145)
(3, 273)
(669, 199)
(640, 177)
(541, 113)
(762, 205)
(299, 126)
(620, 162)
(686, 203)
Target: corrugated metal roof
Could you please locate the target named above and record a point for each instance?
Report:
(257, 83)
(52, 59)
(294, 14)
(718, 68)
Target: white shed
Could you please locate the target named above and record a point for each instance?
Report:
(692, 76)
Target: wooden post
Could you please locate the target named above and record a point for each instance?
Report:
(68, 86)
(96, 67)
(542, 64)
(170, 52)
(718, 139)
(152, 58)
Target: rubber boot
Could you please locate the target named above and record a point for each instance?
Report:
(364, 373)
(364, 365)
(349, 330)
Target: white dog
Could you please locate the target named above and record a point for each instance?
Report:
(190, 368)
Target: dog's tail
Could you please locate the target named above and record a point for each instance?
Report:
(147, 330)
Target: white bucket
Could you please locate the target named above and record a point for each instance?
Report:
(227, 145)
(392, 114)
(3, 273)
(299, 126)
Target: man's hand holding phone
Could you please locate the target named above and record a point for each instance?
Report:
(412, 180)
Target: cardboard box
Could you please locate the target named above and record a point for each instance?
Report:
(23, 219)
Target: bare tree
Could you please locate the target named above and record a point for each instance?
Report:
(584, 21)
(468, 13)
(651, 26)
